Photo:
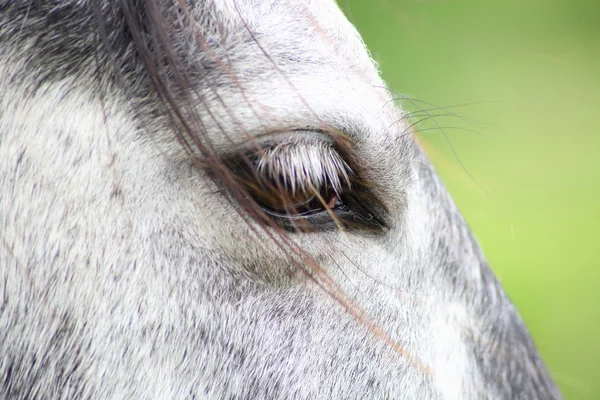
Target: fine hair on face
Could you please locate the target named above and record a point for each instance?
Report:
(221, 199)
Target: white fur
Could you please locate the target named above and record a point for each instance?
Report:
(124, 264)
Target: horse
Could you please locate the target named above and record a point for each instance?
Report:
(221, 199)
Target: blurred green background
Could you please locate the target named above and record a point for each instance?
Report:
(529, 74)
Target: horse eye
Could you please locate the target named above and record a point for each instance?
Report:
(277, 197)
(307, 187)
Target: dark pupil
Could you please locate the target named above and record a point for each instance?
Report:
(275, 196)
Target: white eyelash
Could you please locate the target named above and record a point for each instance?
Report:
(302, 166)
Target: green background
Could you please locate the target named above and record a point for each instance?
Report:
(529, 74)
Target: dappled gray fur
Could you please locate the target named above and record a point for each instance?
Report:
(127, 271)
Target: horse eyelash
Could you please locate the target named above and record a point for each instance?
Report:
(301, 167)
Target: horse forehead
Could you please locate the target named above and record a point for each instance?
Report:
(300, 24)
(299, 62)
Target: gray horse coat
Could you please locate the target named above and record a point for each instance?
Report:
(135, 265)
